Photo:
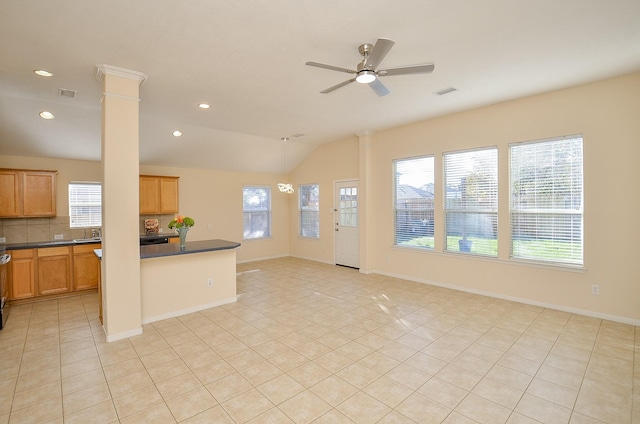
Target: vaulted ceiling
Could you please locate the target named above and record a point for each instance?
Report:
(247, 60)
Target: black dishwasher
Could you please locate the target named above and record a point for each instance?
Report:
(5, 258)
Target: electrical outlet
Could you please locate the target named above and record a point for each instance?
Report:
(3, 239)
(595, 289)
(58, 237)
(210, 282)
(209, 226)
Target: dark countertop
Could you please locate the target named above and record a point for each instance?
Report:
(173, 249)
(56, 243)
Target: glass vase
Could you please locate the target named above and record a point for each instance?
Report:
(182, 234)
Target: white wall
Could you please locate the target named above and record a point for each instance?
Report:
(606, 114)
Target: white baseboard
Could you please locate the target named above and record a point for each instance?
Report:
(124, 335)
(188, 310)
(313, 259)
(262, 259)
(593, 314)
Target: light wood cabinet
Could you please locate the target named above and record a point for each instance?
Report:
(86, 267)
(158, 194)
(26, 193)
(10, 194)
(22, 274)
(54, 270)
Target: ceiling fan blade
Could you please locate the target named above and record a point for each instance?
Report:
(377, 55)
(406, 70)
(335, 87)
(330, 67)
(379, 88)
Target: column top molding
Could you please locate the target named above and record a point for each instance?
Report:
(365, 133)
(102, 70)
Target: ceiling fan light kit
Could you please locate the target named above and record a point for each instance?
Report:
(367, 71)
(366, 77)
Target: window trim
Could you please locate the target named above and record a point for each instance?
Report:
(492, 212)
(300, 212)
(73, 216)
(425, 211)
(581, 211)
(269, 212)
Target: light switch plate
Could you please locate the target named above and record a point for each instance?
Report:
(58, 237)
(3, 239)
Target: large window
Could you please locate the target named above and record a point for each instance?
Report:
(85, 204)
(309, 209)
(257, 212)
(471, 201)
(547, 200)
(413, 202)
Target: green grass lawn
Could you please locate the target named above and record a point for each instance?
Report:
(545, 250)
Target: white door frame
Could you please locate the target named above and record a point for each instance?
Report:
(351, 256)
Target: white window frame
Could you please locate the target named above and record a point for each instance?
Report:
(413, 202)
(471, 210)
(309, 211)
(85, 204)
(547, 221)
(250, 233)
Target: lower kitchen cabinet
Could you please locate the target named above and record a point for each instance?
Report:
(86, 267)
(22, 274)
(54, 270)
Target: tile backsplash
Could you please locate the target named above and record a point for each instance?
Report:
(29, 230)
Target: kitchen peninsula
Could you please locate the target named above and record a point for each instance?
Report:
(176, 281)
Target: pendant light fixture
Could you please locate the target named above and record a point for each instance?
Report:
(285, 187)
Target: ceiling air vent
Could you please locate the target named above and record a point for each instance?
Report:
(445, 91)
(63, 92)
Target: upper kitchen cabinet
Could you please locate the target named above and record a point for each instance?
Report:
(27, 193)
(158, 195)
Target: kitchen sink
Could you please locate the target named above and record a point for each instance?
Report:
(88, 240)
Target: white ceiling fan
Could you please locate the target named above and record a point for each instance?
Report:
(367, 71)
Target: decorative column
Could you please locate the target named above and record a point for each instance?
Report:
(364, 209)
(121, 298)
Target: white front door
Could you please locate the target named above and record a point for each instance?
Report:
(346, 224)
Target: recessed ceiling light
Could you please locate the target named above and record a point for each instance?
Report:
(43, 73)
(204, 106)
(177, 133)
(46, 115)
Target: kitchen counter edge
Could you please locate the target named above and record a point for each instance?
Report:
(173, 249)
(57, 243)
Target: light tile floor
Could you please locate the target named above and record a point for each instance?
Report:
(313, 343)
